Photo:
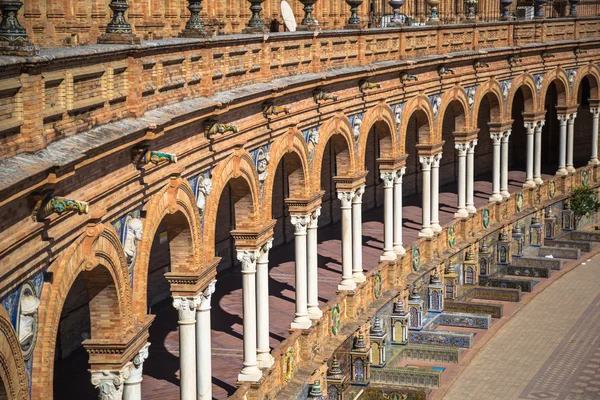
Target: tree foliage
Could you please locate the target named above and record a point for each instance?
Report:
(583, 202)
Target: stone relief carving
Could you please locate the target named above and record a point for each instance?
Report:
(312, 141)
(133, 235)
(262, 164)
(356, 128)
(28, 324)
(506, 88)
(204, 190)
(436, 102)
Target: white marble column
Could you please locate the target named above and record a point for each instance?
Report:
(595, 113)
(301, 320)
(570, 139)
(504, 167)
(110, 383)
(203, 345)
(529, 183)
(186, 308)
(537, 168)
(426, 162)
(497, 139)
(435, 193)
(471, 177)
(347, 282)
(133, 384)
(461, 149)
(263, 351)
(357, 268)
(562, 155)
(314, 312)
(398, 245)
(250, 371)
(388, 178)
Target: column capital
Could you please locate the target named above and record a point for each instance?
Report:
(346, 198)
(540, 124)
(248, 260)
(496, 137)
(388, 178)
(595, 111)
(263, 252)
(300, 223)
(110, 383)
(530, 126)
(472, 144)
(563, 118)
(358, 194)
(436, 159)
(572, 117)
(206, 296)
(314, 218)
(399, 174)
(462, 148)
(137, 366)
(426, 162)
(186, 307)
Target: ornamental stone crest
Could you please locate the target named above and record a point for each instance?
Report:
(311, 136)
(471, 91)
(539, 80)
(398, 109)
(505, 85)
(261, 159)
(436, 104)
(356, 123)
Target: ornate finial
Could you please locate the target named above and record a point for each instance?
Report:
(443, 71)
(334, 369)
(13, 37)
(365, 85)
(406, 77)
(469, 256)
(315, 391)
(480, 64)
(376, 328)
(194, 27)
(548, 212)
(118, 29)
(321, 95)
(143, 156)
(47, 204)
(270, 109)
(484, 248)
(517, 229)
(503, 236)
(536, 220)
(414, 294)
(359, 342)
(435, 277)
(399, 307)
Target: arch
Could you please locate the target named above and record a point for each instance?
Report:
(339, 129)
(291, 149)
(13, 376)
(559, 78)
(421, 107)
(493, 92)
(452, 98)
(238, 167)
(175, 204)
(593, 74)
(98, 255)
(527, 84)
(388, 143)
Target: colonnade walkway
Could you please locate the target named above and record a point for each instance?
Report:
(549, 350)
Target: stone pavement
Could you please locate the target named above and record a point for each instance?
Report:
(549, 350)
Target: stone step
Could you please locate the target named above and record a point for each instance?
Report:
(560, 252)
(552, 263)
(582, 245)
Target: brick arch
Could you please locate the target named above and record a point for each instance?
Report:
(493, 92)
(13, 375)
(175, 205)
(526, 82)
(593, 74)
(421, 108)
(388, 143)
(338, 130)
(559, 78)
(291, 149)
(98, 255)
(455, 98)
(239, 170)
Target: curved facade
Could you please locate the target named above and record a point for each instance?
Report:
(132, 173)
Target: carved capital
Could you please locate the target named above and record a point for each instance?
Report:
(300, 223)
(186, 307)
(426, 162)
(137, 365)
(263, 252)
(572, 118)
(206, 296)
(358, 194)
(436, 160)
(248, 260)
(496, 137)
(563, 118)
(506, 135)
(461, 148)
(314, 218)
(595, 112)
(472, 144)
(110, 383)
(388, 178)
(346, 199)
(539, 125)
(399, 175)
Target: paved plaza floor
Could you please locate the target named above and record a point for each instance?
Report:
(550, 349)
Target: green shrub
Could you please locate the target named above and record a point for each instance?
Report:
(583, 201)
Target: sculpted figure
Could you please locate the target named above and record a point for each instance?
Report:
(313, 141)
(356, 128)
(262, 164)
(437, 104)
(27, 320)
(132, 236)
(204, 189)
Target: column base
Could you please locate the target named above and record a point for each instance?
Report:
(538, 180)
(250, 374)
(426, 232)
(264, 358)
(529, 183)
(436, 227)
(471, 209)
(359, 277)
(571, 169)
(347, 284)
(594, 161)
(399, 249)
(302, 322)
(314, 312)
(388, 255)
(505, 194)
(562, 172)
(461, 213)
(496, 197)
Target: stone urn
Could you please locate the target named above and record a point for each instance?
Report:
(396, 19)
(470, 7)
(504, 6)
(308, 22)
(539, 8)
(433, 6)
(354, 20)
(572, 8)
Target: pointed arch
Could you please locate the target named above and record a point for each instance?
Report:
(449, 99)
(593, 74)
(175, 205)
(12, 365)
(527, 83)
(339, 129)
(290, 148)
(425, 124)
(493, 92)
(99, 256)
(388, 142)
(559, 78)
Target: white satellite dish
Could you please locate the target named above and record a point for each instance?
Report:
(288, 16)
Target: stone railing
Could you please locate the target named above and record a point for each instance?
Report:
(407, 377)
(360, 303)
(424, 353)
(64, 91)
